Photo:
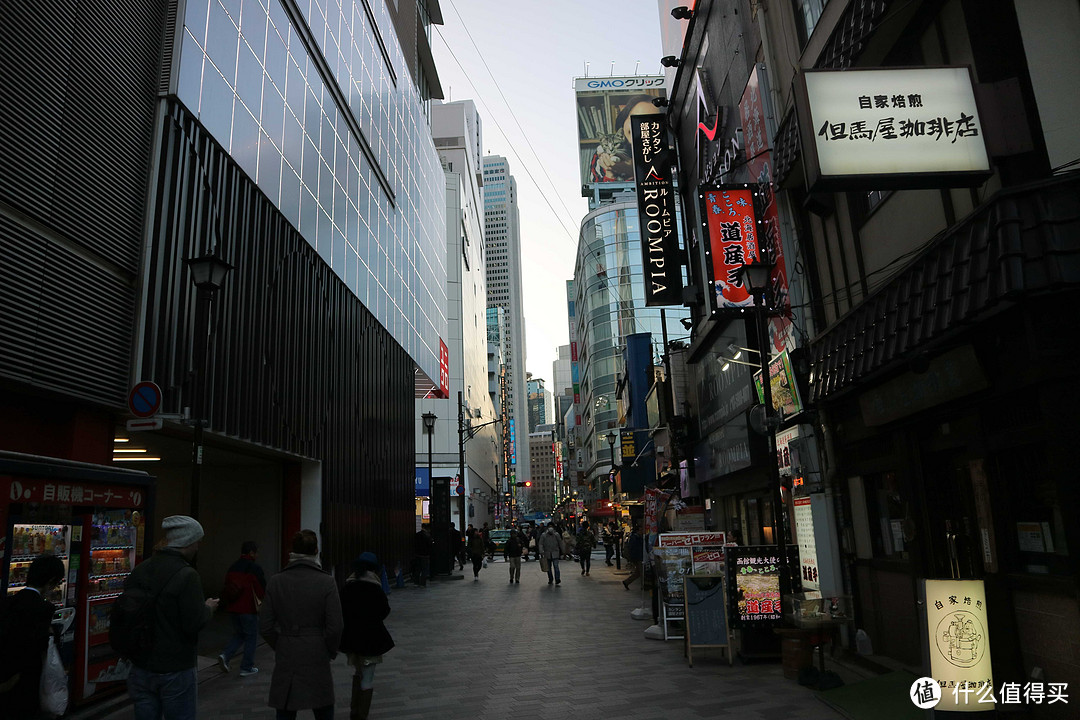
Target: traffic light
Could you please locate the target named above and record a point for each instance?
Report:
(527, 483)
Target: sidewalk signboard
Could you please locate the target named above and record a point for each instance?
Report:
(706, 615)
(707, 549)
(671, 565)
(956, 643)
(754, 584)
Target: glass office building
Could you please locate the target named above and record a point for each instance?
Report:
(609, 297)
(319, 111)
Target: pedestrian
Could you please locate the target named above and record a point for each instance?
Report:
(26, 621)
(489, 545)
(456, 547)
(365, 639)
(608, 536)
(512, 554)
(301, 620)
(568, 544)
(165, 682)
(534, 542)
(523, 538)
(551, 548)
(245, 587)
(477, 549)
(634, 555)
(422, 545)
(586, 541)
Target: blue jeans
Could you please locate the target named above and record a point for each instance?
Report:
(553, 564)
(173, 696)
(246, 633)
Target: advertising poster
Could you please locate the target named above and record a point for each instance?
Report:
(754, 585)
(759, 167)
(604, 107)
(785, 391)
(958, 643)
(732, 229)
(654, 163)
(804, 530)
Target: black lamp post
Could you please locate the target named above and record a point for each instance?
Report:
(756, 278)
(618, 550)
(207, 273)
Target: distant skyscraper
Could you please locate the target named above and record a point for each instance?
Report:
(539, 403)
(562, 382)
(503, 263)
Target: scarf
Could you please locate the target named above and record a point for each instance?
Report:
(308, 559)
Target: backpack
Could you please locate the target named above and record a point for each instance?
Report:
(132, 619)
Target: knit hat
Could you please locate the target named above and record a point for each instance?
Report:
(366, 561)
(181, 530)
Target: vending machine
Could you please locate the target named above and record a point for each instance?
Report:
(94, 519)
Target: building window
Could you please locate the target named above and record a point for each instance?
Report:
(807, 14)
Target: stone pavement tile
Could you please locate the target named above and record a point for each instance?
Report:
(491, 650)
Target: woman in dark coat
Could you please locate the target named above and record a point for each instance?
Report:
(27, 619)
(477, 549)
(301, 620)
(366, 639)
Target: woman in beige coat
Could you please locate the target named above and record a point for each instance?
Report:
(301, 620)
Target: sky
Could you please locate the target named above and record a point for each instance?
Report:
(519, 67)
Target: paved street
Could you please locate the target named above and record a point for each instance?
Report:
(475, 650)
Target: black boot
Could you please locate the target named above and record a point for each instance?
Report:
(360, 705)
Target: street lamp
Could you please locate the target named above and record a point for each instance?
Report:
(207, 274)
(756, 276)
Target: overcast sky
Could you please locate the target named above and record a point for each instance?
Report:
(533, 50)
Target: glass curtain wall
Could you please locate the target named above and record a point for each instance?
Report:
(610, 292)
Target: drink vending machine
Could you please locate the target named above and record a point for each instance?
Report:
(98, 528)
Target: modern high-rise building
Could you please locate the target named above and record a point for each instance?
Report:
(457, 133)
(542, 445)
(562, 381)
(608, 305)
(504, 290)
(285, 139)
(540, 405)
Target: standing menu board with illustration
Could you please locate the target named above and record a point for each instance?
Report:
(706, 614)
(754, 584)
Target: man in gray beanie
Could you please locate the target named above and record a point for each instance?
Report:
(164, 683)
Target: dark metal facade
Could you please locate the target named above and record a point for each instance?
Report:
(76, 128)
(297, 363)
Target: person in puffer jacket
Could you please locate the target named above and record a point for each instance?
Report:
(245, 587)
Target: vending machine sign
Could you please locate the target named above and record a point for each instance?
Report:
(59, 492)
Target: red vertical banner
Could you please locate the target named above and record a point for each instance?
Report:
(444, 370)
(732, 230)
(759, 166)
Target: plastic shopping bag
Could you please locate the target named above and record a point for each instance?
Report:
(54, 683)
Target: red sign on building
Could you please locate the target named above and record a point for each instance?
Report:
(444, 369)
(732, 230)
(759, 166)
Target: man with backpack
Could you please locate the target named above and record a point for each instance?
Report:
(156, 624)
(245, 587)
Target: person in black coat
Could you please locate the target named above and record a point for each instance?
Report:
(27, 620)
(366, 639)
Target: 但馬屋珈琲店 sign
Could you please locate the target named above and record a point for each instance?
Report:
(890, 128)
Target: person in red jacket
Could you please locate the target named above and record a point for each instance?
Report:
(245, 587)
